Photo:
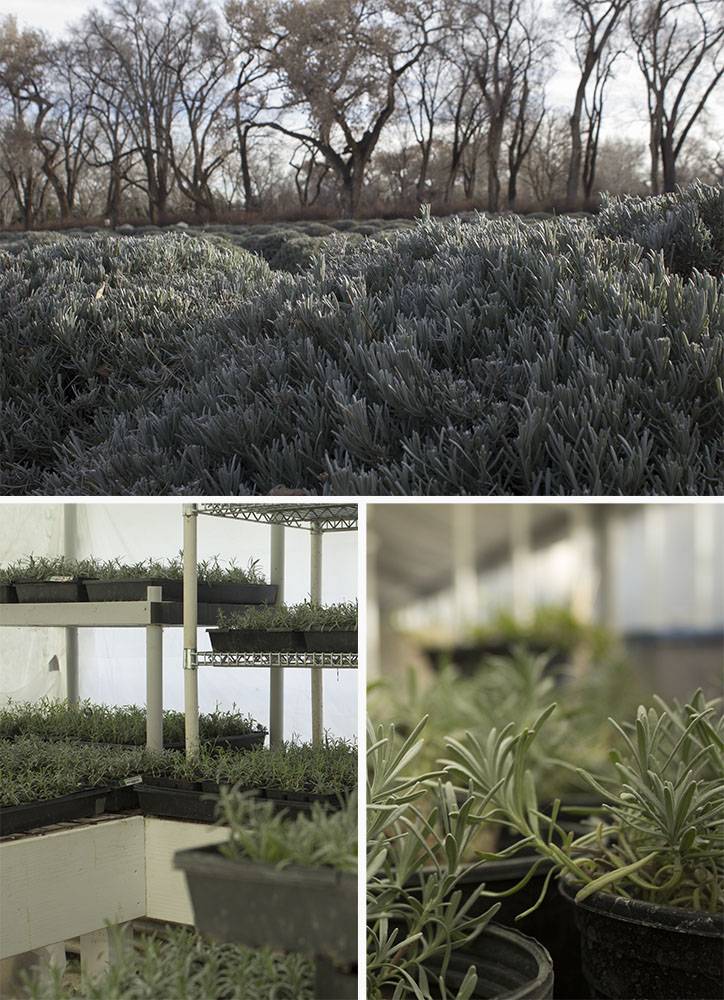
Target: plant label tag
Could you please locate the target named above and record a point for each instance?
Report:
(135, 780)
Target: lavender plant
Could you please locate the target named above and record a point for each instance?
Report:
(489, 357)
(259, 833)
(177, 964)
(660, 839)
(304, 617)
(415, 918)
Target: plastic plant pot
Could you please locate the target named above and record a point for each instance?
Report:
(47, 812)
(510, 966)
(8, 594)
(552, 923)
(237, 640)
(177, 803)
(330, 641)
(241, 741)
(50, 591)
(333, 983)
(632, 949)
(308, 910)
(172, 590)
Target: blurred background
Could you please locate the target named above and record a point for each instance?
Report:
(454, 583)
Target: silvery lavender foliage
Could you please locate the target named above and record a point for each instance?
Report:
(687, 228)
(482, 357)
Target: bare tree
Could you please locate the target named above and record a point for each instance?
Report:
(593, 114)
(338, 63)
(465, 115)
(24, 106)
(595, 24)
(504, 36)
(425, 93)
(544, 169)
(527, 118)
(145, 43)
(310, 172)
(680, 51)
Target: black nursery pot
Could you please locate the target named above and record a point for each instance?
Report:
(552, 923)
(633, 950)
(241, 741)
(176, 803)
(8, 594)
(309, 910)
(332, 641)
(50, 591)
(238, 640)
(333, 983)
(32, 815)
(510, 966)
(172, 590)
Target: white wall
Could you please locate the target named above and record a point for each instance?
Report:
(112, 661)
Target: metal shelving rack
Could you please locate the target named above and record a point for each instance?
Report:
(154, 614)
(318, 519)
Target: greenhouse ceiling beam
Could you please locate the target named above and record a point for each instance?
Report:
(324, 517)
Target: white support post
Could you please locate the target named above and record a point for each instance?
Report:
(70, 551)
(154, 678)
(520, 557)
(464, 555)
(276, 674)
(191, 611)
(316, 597)
(99, 948)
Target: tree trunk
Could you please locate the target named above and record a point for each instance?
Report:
(250, 199)
(495, 138)
(574, 164)
(668, 162)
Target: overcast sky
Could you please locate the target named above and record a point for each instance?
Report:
(625, 112)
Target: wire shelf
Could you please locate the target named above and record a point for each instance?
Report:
(326, 517)
(332, 661)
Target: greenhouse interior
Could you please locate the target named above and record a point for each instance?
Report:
(178, 750)
(545, 771)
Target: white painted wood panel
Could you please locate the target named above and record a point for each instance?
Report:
(166, 894)
(68, 882)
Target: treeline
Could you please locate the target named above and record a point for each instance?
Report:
(158, 109)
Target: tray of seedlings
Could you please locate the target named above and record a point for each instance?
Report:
(44, 783)
(124, 725)
(287, 883)
(37, 579)
(297, 628)
(216, 583)
(291, 778)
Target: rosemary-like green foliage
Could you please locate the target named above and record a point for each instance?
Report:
(32, 770)
(551, 627)
(516, 689)
(304, 617)
(209, 570)
(126, 724)
(415, 919)
(663, 842)
(259, 834)
(181, 965)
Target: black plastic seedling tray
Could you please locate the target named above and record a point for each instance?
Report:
(333, 641)
(237, 640)
(77, 805)
(8, 594)
(172, 590)
(50, 591)
(188, 804)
